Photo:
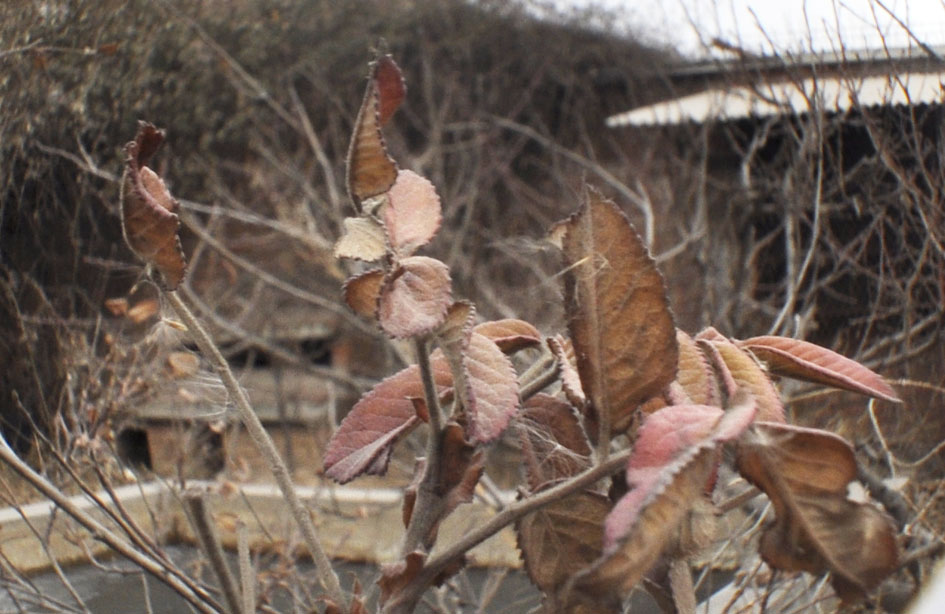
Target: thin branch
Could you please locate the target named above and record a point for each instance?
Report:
(196, 503)
(326, 574)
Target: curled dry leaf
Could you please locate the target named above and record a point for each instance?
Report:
(148, 211)
(695, 374)
(413, 214)
(563, 351)
(371, 170)
(554, 444)
(363, 239)
(562, 538)
(511, 335)
(739, 369)
(813, 363)
(361, 293)
(489, 389)
(618, 313)
(365, 438)
(415, 297)
(817, 528)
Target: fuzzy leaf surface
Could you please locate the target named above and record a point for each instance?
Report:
(563, 351)
(817, 528)
(810, 362)
(415, 297)
(695, 374)
(363, 239)
(365, 438)
(489, 388)
(618, 313)
(413, 213)
(554, 444)
(149, 214)
(371, 170)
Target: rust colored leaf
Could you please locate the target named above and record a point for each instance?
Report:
(363, 239)
(805, 473)
(365, 438)
(619, 317)
(562, 538)
(567, 367)
(415, 297)
(371, 170)
(510, 335)
(413, 214)
(739, 367)
(554, 444)
(813, 363)
(361, 293)
(456, 327)
(395, 577)
(695, 375)
(148, 211)
(489, 389)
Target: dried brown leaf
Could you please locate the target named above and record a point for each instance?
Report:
(740, 368)
(511, 335)
(619, 317)
(363, 239)
(554, 444)
(144, 310)
(415, 297)
(413, 214)
(695, 374)
(148, 211)
(365, 438)
(807, 361)
(562, 350)
(371, 170)
(183, 364)
(361, 293)
(817, 528)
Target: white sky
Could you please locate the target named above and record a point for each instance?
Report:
(794, 25)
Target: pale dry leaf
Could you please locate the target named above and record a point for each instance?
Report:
(363, 239)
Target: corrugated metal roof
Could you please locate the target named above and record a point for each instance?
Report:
(831, 94)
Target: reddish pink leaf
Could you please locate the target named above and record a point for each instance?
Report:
(412, 215)
(811, 362)
(148, 211)
(361, 293)
(739, 368)
(365, 438)
(510, 335)
(415, 297)
(490, 389)
(371, 170)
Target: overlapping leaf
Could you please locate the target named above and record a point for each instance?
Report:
(365, 438)
(805, 473)
(738, 369)
(361, 293)
(489, 389)
(371, 170)
(811, 362)
(413, 214)
(363, 239)
(511, 335)
(562, 538)
(415, 297)
(619, 317)
(674, 458)
(695, 375)
(554, 444)
(563, 351)
(149, 214)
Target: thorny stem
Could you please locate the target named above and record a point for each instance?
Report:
(427, 507)
(201, 601)
(326, 574)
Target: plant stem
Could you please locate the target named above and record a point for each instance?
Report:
(428, 505)
(326, 574)
(201, 601)
(196, 503)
